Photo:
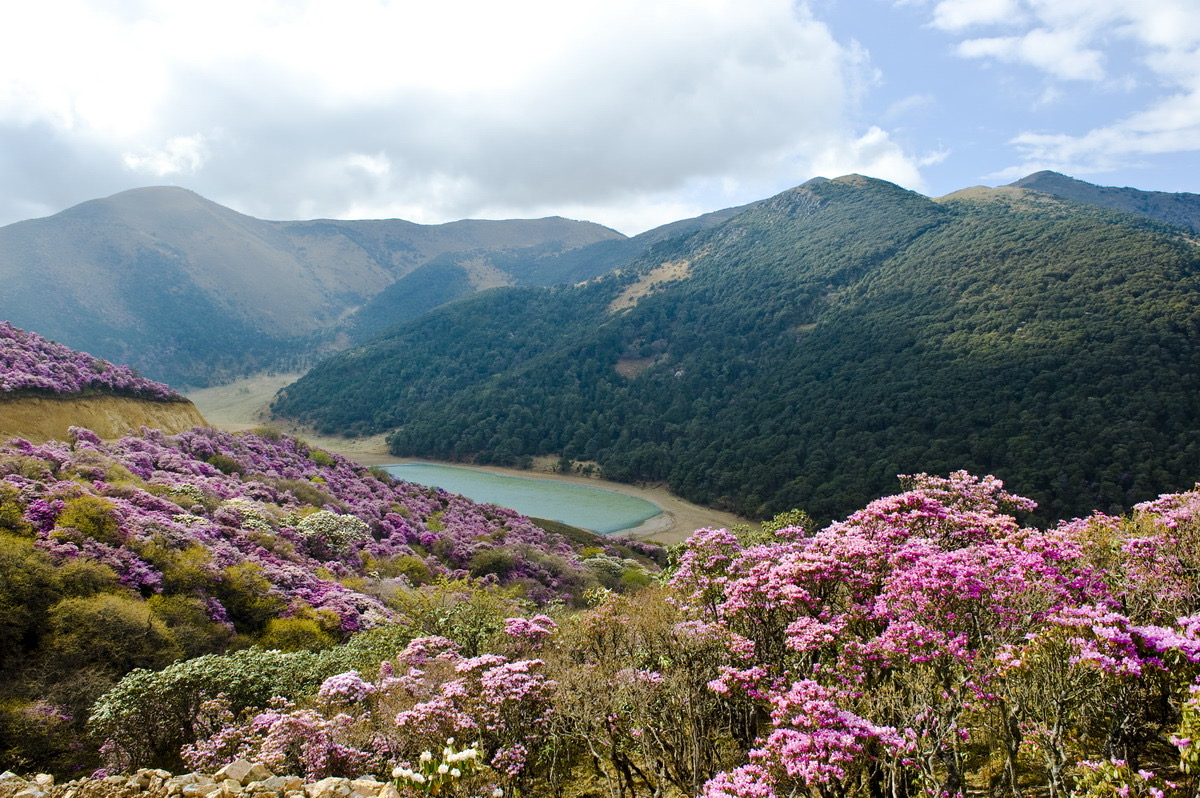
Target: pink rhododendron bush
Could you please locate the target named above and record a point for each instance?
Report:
(135, 553)
(929, 644)
(31, 364)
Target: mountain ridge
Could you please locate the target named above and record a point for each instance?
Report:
(188, 290)
(829, 338)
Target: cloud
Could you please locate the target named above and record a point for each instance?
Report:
(180, 155)
(1152, 46)
(955, 15)
(439, 110)
(1061, 53)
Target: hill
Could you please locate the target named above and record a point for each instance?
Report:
(47, 388)
(1180, 209)
(807, 350)
(192, 292)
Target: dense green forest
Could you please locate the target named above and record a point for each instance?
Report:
(811, 348)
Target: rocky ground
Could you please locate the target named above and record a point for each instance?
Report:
(239, 778)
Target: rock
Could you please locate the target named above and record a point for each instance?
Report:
(44, 780)
(257, 772)
(389, 791)
(364, 788)
(32, 791)
(331, 787)
(8, 775)
(235, 770)
(284, 784)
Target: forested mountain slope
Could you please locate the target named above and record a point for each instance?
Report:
(192, 292)
(806, 351)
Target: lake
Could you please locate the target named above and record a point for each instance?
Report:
(599, 510)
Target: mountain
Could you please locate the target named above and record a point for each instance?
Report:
(190, 292)
(805, 351)
(1182, 210)
(459, 274)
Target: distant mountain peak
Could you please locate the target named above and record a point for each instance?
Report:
(1181, 210)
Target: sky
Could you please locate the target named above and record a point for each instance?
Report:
(630, 113)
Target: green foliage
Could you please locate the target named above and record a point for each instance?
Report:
(321, 457)
(824, 342)
(107, 631)
(12, 518)
(187, 618)
(295, 634)
(148, 715)
(248, 598)
(28, 587)
(224, 463)
(90, 517)
(466, 612)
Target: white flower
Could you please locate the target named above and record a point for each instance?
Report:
(498, 793)
(418, 778)
(443, 768)
(449, 741)
(455, 772)
(426, 756)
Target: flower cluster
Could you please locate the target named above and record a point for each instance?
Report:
(29, 362)
(931, 627)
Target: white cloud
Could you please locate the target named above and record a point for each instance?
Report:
(1061, 53)
(180, 155)
(876, 155)
(447, 109)
(1158, 42)
(955, 15)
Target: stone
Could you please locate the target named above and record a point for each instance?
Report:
(31, 791)
(284, 784)
(8, 775)
(364, 788)
(257, 772)
(331, 787)
(44, 780)
(389, 791)
(235, 770)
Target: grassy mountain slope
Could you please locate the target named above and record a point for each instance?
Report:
(190, 291)
(806, 351)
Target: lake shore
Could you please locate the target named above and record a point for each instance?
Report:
(242, 405)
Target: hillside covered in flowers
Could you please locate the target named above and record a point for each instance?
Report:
(928, 644)
(31, 364)
(152, 549)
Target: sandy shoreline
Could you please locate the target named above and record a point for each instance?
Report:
(241, 405)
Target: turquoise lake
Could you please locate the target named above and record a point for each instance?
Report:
(596, 509)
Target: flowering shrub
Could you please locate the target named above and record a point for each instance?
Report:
(928, 644)
(28, 362)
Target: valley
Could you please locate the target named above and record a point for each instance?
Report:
(244, 404)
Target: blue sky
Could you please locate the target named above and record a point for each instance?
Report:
(631, 113)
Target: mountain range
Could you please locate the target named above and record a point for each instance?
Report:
(798, 351)
(806, 350)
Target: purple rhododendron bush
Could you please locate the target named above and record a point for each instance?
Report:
(31, 364)
(133, 554)
(929, 644)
